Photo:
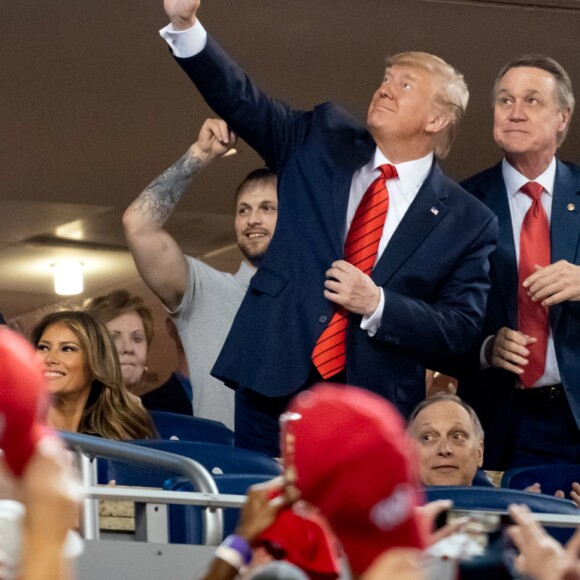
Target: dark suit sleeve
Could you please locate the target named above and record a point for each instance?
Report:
(269, 126)
(448, 323)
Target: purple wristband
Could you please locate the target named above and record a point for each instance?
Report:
(239, 545)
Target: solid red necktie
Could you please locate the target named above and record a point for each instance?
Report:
(534, 250)
(360, 250)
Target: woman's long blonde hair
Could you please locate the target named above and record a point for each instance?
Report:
(111, 411)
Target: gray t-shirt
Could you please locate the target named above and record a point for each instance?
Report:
(203, 320)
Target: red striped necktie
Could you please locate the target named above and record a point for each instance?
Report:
(360, 250)
(534, 249)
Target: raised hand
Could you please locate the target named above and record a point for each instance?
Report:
(181, 13)
(214, 139)
(262, 505)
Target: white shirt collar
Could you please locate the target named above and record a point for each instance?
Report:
(514, 180)
(412, 174)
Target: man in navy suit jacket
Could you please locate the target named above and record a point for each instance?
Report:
(425, 297)
(526, 426)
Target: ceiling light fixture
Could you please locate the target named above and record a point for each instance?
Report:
(68, 277)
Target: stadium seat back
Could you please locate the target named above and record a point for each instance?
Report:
(184, 428)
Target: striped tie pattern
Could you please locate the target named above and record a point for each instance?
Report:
(360, 250)
(534, 249)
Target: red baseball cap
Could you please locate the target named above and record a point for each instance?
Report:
(304, 540)
(356, 464)
(23, 400)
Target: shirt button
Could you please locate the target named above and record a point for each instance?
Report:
(323, 319)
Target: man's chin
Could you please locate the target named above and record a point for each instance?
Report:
(372, 125)
(253, 256)
(449, 477)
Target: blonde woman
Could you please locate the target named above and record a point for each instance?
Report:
(85, 381)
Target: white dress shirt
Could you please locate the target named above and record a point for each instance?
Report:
(402, 192)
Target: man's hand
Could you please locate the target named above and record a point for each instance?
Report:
(214, 140)
(350, 288)
(261, 508)
(181, 12)
(429, 513)
(555, 283)
(540, 555)
(50, 492)
(507, 350)
(574, 493)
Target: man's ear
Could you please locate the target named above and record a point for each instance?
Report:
(436, 123)
(565, 119)
(480, 454)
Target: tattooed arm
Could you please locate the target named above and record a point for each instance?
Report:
(157, 255)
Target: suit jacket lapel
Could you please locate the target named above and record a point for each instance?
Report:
(427, 210)
(503, 260)
(564, 221)
(342, 179)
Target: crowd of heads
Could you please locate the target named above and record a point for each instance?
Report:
(363, 476)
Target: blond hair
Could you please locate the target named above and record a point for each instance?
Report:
(109, 306)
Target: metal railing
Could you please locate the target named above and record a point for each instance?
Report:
(88, 448)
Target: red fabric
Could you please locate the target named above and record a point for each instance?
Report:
(534, 250)
(23, 400)
(306, 541)
(355, 463)
(360, 250)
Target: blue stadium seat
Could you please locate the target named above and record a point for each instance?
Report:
(550, 477)
(482, 479)
(185, 521)
(184, 428)
(217, 459)
(123, 473)
(233, 470)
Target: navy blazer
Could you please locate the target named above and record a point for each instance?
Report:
(491, 391)
(434, 271)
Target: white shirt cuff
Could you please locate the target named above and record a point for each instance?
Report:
(372, 323)
(185, 43)
(484, 364)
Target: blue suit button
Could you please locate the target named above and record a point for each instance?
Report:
(323, 319)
